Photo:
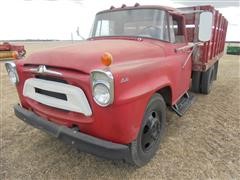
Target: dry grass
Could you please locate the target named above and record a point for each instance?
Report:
(204, 144)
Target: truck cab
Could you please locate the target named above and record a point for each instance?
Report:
(108, 95)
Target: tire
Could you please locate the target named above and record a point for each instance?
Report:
(196, 79)
(215, 71)
(207, 81)
(151, 132)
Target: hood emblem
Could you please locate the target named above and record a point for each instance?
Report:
(42, 69)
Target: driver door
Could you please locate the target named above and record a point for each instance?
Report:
(183, 63)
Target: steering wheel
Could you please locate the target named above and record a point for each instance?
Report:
(152, 31)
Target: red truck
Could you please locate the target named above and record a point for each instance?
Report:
(8, 50)
(108, 95)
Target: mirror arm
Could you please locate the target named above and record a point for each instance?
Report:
(187, 47)
(190, 54)
(193, 45)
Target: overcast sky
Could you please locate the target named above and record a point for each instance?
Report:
(57, 19)
(215, 3)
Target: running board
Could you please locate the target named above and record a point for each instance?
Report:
(183, 104)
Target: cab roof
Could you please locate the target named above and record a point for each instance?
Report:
(137, 6)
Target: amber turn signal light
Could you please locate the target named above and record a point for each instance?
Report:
(107, 59)
(15, 54)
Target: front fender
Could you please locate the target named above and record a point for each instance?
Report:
(135, 83)
(139, 79)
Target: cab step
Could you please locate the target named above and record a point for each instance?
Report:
(183, 104)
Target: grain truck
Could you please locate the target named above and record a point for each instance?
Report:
(108, 95)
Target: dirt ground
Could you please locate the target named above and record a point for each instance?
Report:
(204, 144)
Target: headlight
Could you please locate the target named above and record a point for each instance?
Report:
(101, 94)
(12, 72)
(102, 87)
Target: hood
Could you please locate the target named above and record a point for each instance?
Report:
(86, 56)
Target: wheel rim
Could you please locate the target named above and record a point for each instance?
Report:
(151, 131)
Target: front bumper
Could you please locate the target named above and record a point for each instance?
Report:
(79, 140)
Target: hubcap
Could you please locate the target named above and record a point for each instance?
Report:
(151, 131)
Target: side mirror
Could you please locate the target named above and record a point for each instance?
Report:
(205, 26)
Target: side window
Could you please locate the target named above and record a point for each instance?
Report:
(172, 34)
(176, 29)
(98, 29)
(104, 28)
(165, 29)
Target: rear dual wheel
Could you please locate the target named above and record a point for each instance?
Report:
(207, 81)
(151, 132)
(202, 81)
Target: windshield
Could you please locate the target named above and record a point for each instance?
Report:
(136, 22)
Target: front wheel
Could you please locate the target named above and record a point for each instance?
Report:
(151, 131)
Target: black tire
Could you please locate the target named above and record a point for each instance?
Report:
(196, 79)
(151, 132)
(207, 81)
(215, 71)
